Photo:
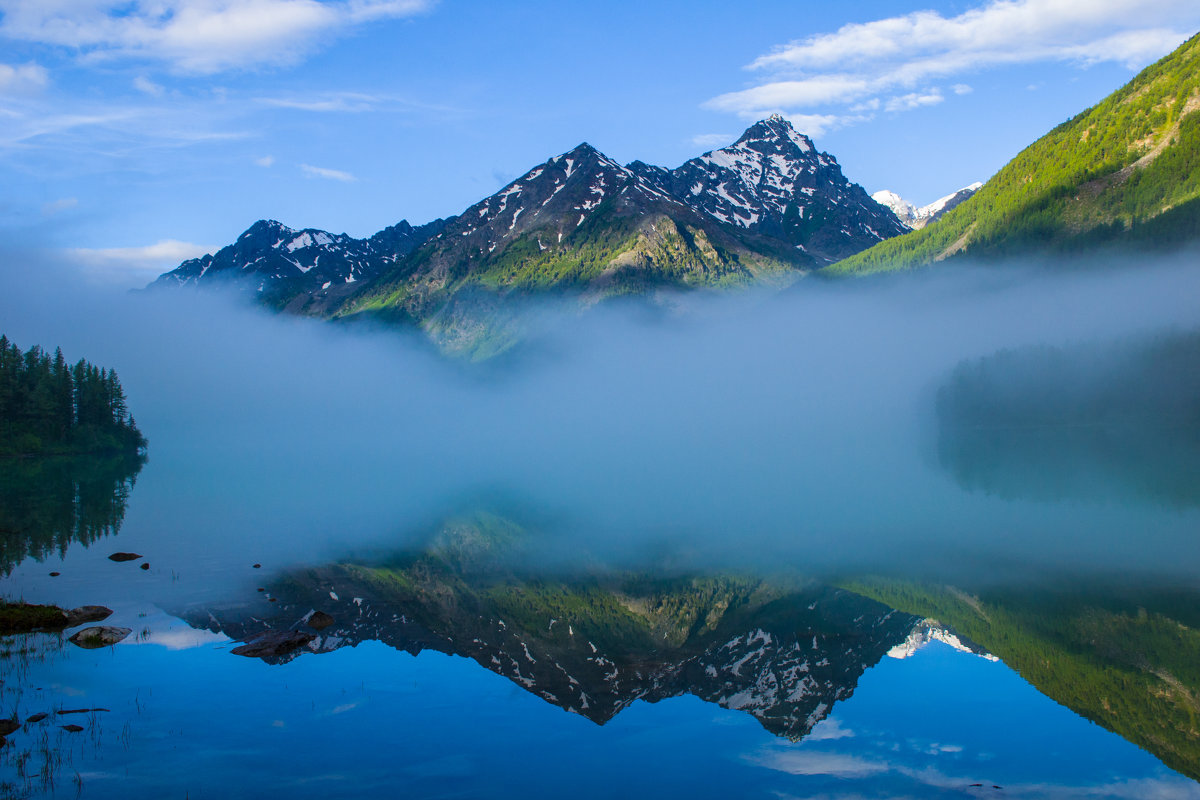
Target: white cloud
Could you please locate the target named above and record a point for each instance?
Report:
(62, 204)
(265, 161)
(331, 174)
(792, 94)
(712, 140)
(856, 64)
(1001, 31)
(147, 86)
(914, 100)
(136, 265)
(23, 78)
(196, 36)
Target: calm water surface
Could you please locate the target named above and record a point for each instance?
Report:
(646, 573)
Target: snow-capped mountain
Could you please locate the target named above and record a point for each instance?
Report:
(534, 232)
(915, 217)
(773, 181)
(283, 265)
(769, 206)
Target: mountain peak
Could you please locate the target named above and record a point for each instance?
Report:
(777, 131)
(581, 149)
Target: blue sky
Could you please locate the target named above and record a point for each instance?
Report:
(139, 132)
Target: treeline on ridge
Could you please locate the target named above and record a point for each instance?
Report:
(50, 407)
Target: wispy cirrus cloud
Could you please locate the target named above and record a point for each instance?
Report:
(324, 172)
(195, 36)
(898, 62)
(351, 102)
(325, 102)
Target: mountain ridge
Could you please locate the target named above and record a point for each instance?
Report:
(768, 207)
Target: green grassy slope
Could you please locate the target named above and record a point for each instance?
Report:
(1102, 176)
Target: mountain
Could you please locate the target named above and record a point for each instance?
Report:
(774, 182)
(917, 217)
(1124, 172)
(300, 270)
(769, 207)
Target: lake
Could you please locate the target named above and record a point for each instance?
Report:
(741, 549)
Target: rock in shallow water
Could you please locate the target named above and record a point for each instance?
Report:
(8, 726)
(274, 643)
(99, 636)
(124, 557)
(319, 620)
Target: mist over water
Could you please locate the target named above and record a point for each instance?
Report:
(750, 430)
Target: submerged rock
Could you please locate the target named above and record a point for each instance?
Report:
(274, 643)
(71, 728)
(124, 557)
(38, 717)
(78, 616)
(8, 726)
(99, 636)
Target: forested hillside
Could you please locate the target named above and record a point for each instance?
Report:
(1125, 171)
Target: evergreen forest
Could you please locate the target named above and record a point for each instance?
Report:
(50, 407)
